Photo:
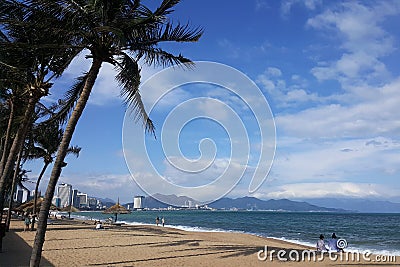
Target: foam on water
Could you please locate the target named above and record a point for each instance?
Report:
(184, 227)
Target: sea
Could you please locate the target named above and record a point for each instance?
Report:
(363, 232)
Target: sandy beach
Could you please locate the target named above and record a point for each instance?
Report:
(77, 243)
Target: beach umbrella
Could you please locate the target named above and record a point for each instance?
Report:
(117, 209)
(28, 206)
(70, 209)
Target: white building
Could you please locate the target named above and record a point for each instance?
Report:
(21, 194)
(56, 201)
(138, 202)
(65, 194)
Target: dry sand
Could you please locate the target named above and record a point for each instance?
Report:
(74, 243)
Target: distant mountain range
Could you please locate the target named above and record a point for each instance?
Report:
(107, 202)
(360, 205)
(252, 203)
(244, 203)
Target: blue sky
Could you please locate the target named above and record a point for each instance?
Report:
(329, 71)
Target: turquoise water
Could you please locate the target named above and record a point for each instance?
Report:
(377, 233)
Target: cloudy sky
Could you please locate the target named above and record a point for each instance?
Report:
(329, 71)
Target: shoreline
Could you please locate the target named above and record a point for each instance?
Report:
(387, 252)
(77, 243)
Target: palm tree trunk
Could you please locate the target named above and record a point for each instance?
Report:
(14, 183)
(61, 153)
(36, 194)
(7, 138)
(15, 148)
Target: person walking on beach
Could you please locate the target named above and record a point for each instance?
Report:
(27, 222)
(163, 221)
(321, 244)
(157, 220)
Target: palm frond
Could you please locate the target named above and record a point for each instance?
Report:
(74, 150)
(68, 102)
(128, 78)
(179, 33)
(137, 107)
(159, 57)
(166, 7)
(35, 152)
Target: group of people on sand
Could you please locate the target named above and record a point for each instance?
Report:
(28, 220)
(331, 246)
(158, 221)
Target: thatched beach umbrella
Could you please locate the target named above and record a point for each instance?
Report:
(28, 206)
(117, 209)
(70, 209)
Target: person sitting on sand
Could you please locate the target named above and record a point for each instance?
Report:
(321, 244)
(333, 243)
(99, 226)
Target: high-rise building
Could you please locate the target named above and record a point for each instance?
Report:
(83, 200)
(138, 202)
(92, 202)
(65, 194)
(75, 198)
(56, 201)
(21, 194)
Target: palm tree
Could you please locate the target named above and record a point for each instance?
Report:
(47, 138)
(36, 55)
(119, 32)
(16, 179)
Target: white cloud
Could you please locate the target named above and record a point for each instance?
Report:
(106, 90)
(330, 189)
(286, 6)
(351, 161)
(231, 49)
(361, 38)
(348, 139)
(374, 115)
(284, 94)
(261, 4)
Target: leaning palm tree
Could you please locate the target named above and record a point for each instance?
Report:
(47, 138)
(119, 32)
